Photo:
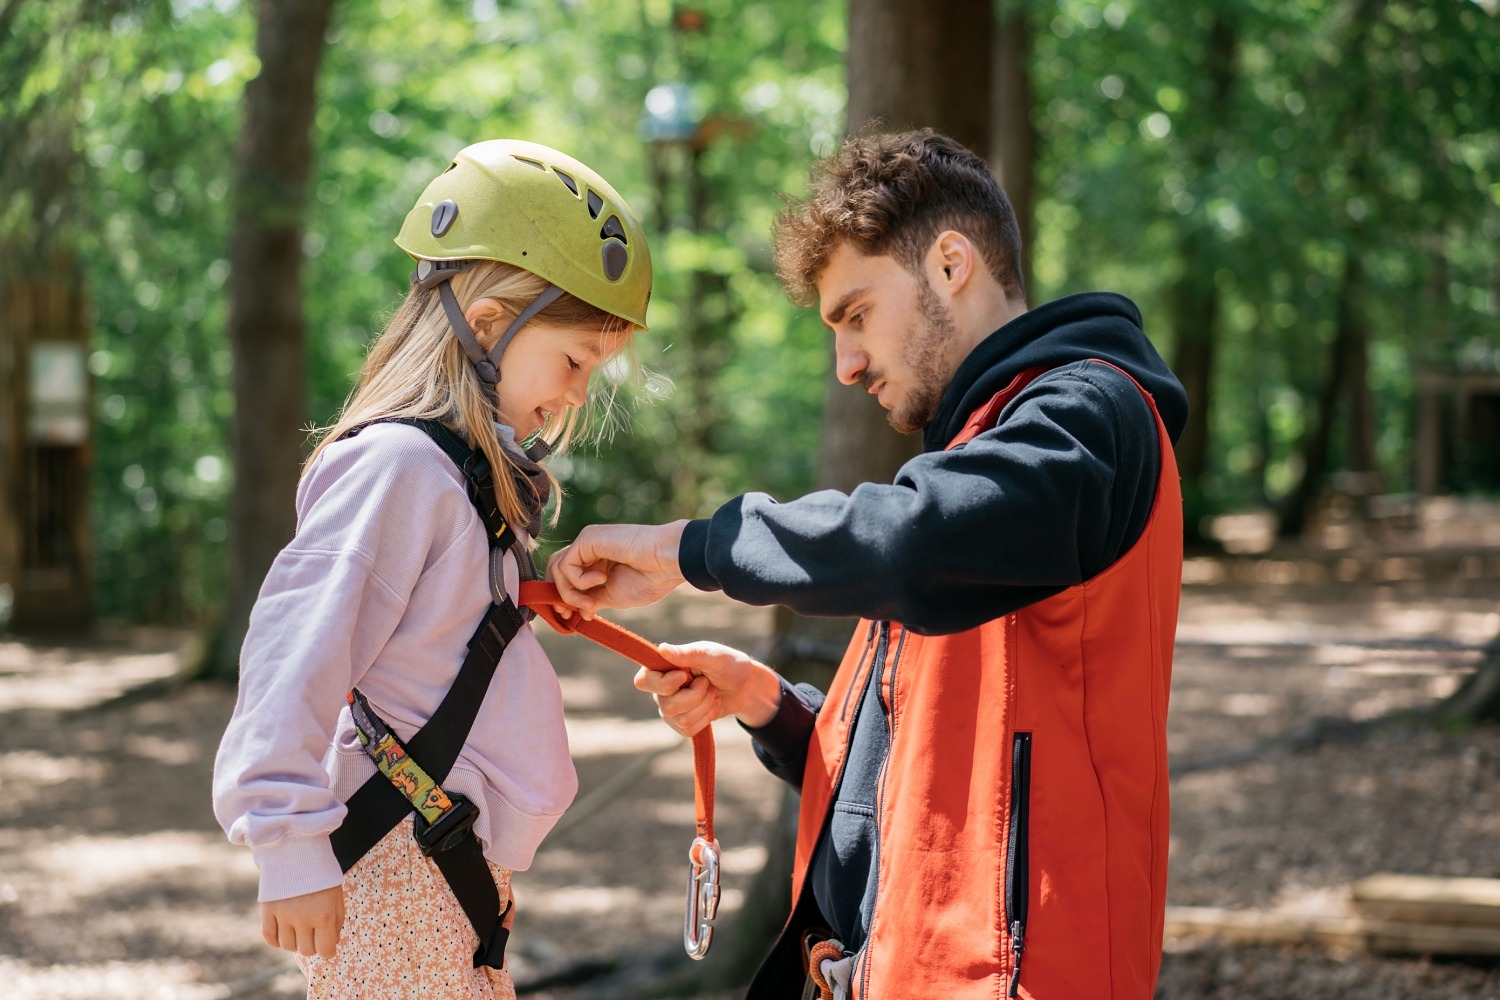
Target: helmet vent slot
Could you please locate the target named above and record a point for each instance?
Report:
(596, 205)
(615, 259)
(568, 180)
(612, 228)
(443, 214)
(532, 163)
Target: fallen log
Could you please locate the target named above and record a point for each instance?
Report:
(1343, 931)
(1428, 900)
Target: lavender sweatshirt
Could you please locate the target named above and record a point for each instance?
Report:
(381, 588)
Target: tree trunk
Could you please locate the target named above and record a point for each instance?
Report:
(265, 291)
(1360, 454)
(1195, 318)
(911, 69)
(907, 69)
(1348, 363)
(1342, 354)
(1478, 698)
(1013, 143)
(1195, 300)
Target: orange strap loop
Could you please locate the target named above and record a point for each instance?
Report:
(543, 598)
(823, 951)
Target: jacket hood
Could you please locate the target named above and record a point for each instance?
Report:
(1099, 325)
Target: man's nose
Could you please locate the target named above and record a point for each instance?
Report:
(849, 362)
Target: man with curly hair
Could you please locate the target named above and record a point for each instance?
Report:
(984, 786)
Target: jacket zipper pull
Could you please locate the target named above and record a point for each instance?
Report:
(1017, 945)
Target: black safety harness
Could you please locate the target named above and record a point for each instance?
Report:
(410, 775)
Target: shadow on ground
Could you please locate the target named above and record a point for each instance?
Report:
(116, 883)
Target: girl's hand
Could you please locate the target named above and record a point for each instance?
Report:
(307, 924)
(714, 681)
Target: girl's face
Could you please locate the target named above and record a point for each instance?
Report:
(546, 369)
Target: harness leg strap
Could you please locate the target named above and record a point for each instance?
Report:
(468, 875)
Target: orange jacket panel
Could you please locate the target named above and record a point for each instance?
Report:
(1041, 735)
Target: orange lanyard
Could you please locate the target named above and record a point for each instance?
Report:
(703, 878)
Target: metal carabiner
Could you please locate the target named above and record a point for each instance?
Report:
(702, 897)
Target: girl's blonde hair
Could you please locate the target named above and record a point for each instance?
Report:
(417, 368)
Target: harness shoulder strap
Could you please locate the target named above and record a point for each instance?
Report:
(445, 832)
(478, 475)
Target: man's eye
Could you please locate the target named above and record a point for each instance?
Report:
(858, 319)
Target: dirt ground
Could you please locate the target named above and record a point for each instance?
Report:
(116, 884)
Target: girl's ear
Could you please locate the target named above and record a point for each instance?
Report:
(487, 319)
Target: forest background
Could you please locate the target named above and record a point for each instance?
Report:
(1304, 199)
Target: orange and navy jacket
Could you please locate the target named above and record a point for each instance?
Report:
(1061, 708)
(1016, 793)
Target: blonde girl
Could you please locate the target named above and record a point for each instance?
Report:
(397, 748)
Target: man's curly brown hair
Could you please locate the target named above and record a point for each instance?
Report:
(893, 193)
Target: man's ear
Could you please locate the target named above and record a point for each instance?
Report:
(951, 262)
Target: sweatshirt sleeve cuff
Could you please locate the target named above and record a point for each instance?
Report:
(787, 734)
(295, 866)
(692, 556)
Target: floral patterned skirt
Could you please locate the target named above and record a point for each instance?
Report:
(405, 937)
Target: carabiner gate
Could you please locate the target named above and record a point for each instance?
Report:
(702, 897)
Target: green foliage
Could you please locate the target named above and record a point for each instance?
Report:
(140, 112)
(1347, 129)
(147, 142)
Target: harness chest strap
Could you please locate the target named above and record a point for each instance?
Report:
(703, 883)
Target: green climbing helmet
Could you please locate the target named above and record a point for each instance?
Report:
(525, 204)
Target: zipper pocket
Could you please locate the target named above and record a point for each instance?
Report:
(869, 640)
(861, 971)
(1017, 858)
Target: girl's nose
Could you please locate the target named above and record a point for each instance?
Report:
(578, 391)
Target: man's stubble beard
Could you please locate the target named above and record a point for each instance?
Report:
(924, 357)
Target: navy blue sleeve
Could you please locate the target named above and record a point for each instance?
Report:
(1051, 496)
(781, 744)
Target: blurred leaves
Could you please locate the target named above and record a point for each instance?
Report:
(1350, 127)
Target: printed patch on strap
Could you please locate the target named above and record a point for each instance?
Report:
(391, 759)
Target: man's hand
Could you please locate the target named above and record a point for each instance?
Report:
(618, 566)
(714, 681)
(307, 924)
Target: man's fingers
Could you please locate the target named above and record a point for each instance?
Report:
(563, 570)
(692, 722)
(687, 657)
(661, 682)
(686, 701)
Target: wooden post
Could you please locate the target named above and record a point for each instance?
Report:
(1430, 458)
(10, 446)
(46, 545)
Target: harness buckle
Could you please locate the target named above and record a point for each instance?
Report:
(451, 827)
(702, 897)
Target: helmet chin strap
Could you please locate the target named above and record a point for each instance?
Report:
(431, 273)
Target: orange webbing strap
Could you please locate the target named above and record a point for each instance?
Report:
(542, 597)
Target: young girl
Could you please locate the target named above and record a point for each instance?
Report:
(399, 586)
